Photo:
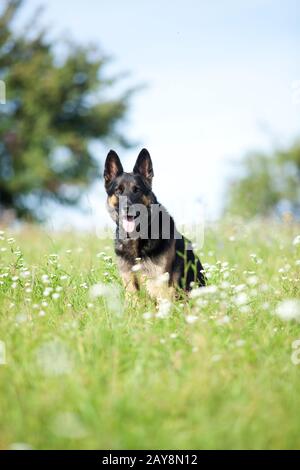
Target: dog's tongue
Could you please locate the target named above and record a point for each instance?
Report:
(128, 225)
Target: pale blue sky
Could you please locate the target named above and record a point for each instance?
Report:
(218, 74)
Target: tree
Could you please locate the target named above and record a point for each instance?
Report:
(267, 184)
(55, 108)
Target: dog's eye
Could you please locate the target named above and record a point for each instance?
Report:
(135, 189)
(120, 190)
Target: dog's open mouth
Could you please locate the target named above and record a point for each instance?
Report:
(128, 223)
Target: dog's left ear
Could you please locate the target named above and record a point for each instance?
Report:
(144, 167)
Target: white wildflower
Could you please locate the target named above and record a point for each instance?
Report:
(147, 315)
(216, 357)
(288, 310)
(164, 307)
(136, 268)
(199, 291)
(245, 309)
(223, 320)
(25, 274)
(225, 285)
(190, 319)
(47, 291)
(54, 358)
(239, 288)
(296, 240)
(21, 318)
(252, 280)
(111, 293)
(241, 299)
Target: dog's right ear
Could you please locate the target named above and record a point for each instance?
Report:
(113, 167)
(143, 166)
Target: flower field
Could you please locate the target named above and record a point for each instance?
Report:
(80, 368)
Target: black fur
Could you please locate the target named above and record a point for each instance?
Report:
(185, 267)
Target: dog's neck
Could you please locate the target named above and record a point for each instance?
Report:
(132, 249)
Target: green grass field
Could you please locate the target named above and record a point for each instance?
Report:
(81, 370)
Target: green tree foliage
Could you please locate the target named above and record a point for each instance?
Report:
(55, 108)
(267, 184)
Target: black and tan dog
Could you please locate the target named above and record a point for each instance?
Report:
(150, 251)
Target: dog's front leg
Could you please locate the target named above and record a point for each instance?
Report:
(158, 290)
(130, 283)
(131, 286)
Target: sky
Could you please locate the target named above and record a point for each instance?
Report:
(222, 78)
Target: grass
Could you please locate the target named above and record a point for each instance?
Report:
(83, 372)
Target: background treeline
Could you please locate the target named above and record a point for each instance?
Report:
(267, 185)
(60, 101)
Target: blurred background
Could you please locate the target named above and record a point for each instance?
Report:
(211, 88)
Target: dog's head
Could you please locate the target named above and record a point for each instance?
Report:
(129, 194)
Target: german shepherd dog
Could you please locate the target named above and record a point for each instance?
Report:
(150, 251)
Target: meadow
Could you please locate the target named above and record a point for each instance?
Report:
(81, 369)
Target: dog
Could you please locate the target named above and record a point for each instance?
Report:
(150, 251)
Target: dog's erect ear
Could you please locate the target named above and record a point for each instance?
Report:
(143, 166)
(113, 167)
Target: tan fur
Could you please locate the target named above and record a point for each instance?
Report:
(154, 275)
(113, 201)
(129, 279)
(146, 200)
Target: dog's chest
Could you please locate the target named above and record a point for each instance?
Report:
(145, 267)
(151, 268)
